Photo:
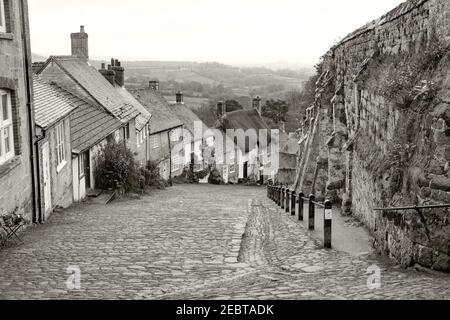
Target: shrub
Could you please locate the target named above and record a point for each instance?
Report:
(405, 78)
(115, 167)
(152, 176)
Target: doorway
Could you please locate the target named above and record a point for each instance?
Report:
(46, 176)
(87, 169)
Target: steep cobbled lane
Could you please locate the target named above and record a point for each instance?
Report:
(194, 242)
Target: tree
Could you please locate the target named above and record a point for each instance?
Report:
(275, 110)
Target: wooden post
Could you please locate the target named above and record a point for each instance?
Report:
(301, 195)
(327, 224)
(282, 198)
(293, 202)
(311, 212)
(278, 194)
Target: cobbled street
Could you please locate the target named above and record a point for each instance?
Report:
(195, 242)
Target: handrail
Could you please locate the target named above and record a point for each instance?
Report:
(413, 207)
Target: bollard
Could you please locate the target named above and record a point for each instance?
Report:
(293, 203)
(327, 224)
(311, 212)
(282, 198)
(286, 205)
(301, 195)
(279, 196)
(277, 193)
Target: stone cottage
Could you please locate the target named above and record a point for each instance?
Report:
(18, 178)
(52, 113)
(105, 88)
(250, 150)
(166, 131)
(194, 142)
(90, 128)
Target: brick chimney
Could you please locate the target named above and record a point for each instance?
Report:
(154, 85)
(257, 104)
(119, 70)
(221, 109)
(80, 44)
(109, 73)
(179, 97)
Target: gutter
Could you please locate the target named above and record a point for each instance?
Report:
(37, 216)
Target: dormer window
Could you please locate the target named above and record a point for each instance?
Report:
(2, 17)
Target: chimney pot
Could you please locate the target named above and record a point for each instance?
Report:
(221, 108)
(81, 29)
(179, 97)
(103, 66)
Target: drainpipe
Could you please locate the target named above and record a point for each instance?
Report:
(30, 114)
(170, 158)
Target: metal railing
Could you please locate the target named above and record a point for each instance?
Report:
(292, 202)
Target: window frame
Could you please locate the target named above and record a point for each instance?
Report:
(154, 142)
(138, 138)
(81, 165)
(6, 126)
(60, 146)
(3, 28)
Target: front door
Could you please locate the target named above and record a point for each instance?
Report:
(46, 176)
(87, 169)
(245, 170)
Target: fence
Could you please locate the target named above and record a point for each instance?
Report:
(291, 202)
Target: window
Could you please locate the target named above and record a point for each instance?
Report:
(175, 162)
(126, 132)
(154, 141)
(6, 127)
(2, 16)
(175, 135)
(60, 147)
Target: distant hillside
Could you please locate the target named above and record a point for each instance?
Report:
(37, 58)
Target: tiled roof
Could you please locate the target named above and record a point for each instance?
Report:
(187, 117)
(163, 118)
(49, 105)
(96, 86)
(245, 120)
(144, 116)
(89, 124)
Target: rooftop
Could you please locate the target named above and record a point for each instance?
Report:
(163, 118)
(95, 85)
(89, 123)
(50, 105)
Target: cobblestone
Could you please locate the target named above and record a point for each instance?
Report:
(195, 242)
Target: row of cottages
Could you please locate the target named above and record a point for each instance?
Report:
(243, 157)
(197, 137)
(78, 109)
(165, 135)
(174, 143)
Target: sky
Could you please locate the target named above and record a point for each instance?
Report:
(231, 31)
